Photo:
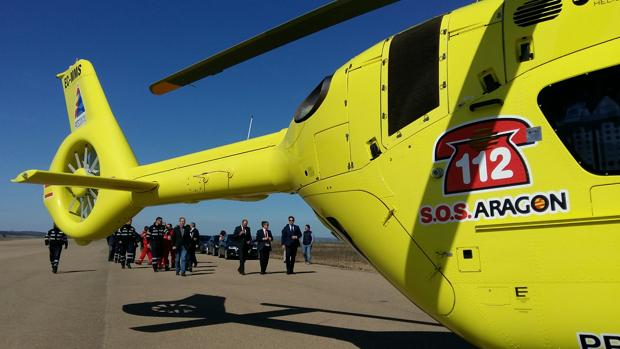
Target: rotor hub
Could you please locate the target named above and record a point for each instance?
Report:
(80, 191)
(82, 160)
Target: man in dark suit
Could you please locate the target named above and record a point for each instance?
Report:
(290, 239)
(243, 238)
(263, 240)
(180, 243)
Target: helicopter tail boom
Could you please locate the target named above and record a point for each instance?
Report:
(246, 170)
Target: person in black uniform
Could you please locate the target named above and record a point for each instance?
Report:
(155, 237)
(54, 240)
(290, 239)
(194, 234)
(137, 239)
(126, 240)
(263, 240)
(243, 238)
(116, 247)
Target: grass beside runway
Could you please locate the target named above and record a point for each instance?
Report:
(329, 252)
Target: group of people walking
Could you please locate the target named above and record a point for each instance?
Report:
(290, 241)
(164, 246)
(168, 247)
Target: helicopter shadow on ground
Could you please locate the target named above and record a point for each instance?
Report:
(205, 310)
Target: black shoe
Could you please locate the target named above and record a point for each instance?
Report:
(177, 273)
(190, 269)
(155, 268)
(167, 268)
(54, 269)
(183, 274)
(262, 273)
(128, 265)
(123, 265)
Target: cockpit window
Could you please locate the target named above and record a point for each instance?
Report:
(585, 113)
(413, 74)
(313, 101)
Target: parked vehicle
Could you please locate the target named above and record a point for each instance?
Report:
(214, 245)
(203, 242)
(230, 248)
(253, 253)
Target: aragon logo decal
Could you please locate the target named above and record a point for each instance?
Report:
(80, 111)
(522, 205)
(484, 155)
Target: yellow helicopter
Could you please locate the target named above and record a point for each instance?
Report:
(473, 159)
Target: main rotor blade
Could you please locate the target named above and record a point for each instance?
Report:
(323, 17)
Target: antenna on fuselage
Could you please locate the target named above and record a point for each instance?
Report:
(250, 127)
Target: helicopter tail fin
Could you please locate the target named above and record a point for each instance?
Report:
(79, 203)
(93, 125)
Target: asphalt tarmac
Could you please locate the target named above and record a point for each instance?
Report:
(92, 303)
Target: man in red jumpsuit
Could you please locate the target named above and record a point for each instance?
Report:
(165, 262)
(146, 248)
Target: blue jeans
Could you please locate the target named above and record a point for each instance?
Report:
(180, 259)
(308, 253)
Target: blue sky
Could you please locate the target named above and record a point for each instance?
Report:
(133, 44)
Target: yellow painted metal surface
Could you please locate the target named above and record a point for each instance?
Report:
(485, 172)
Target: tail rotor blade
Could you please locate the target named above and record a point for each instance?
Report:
(86, 158)
(77, 160)
(94, 165)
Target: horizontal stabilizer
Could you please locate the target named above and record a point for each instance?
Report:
(84, 181)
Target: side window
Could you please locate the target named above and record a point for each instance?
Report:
(584, 111)
(413, 74)
(313, 101)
